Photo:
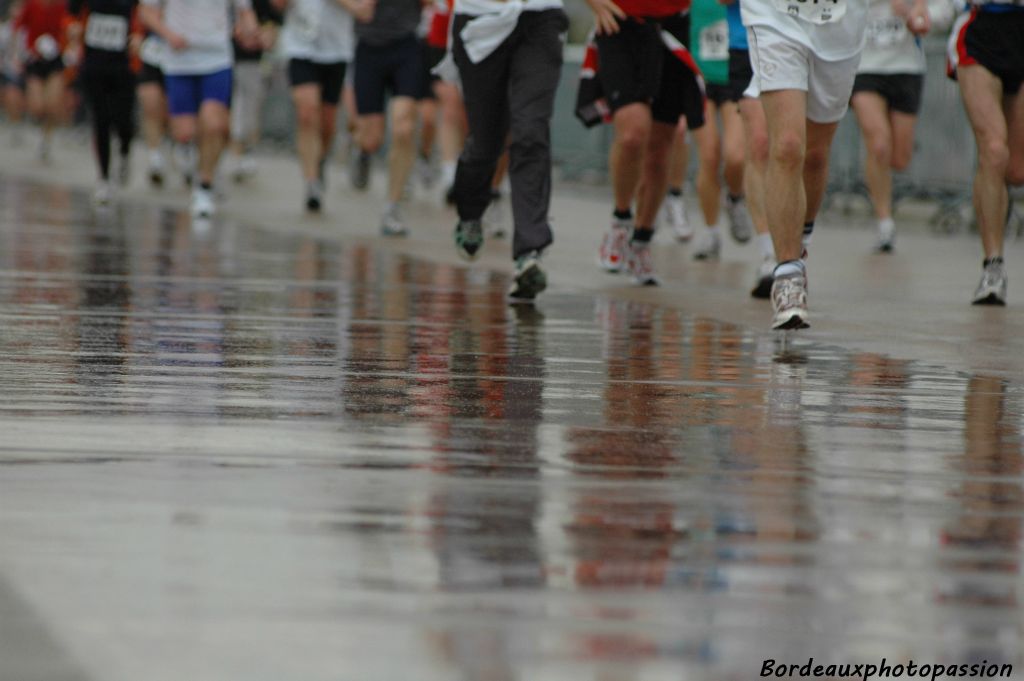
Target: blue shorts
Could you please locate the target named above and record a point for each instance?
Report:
(185, 94)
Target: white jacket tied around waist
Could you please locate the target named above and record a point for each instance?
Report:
(493, 22)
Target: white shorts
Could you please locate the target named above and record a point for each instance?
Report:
(780, 63)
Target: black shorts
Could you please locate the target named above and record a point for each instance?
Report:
(330, 77)
(43, 68)
(635, 66)
(995, 40)
(740, 72)
(901, 91)
(150, 74)
(721, 94)
(396, 68)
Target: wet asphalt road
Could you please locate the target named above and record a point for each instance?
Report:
(242, 455)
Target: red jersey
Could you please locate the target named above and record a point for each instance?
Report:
(653, 8)
(438, 34)
(42, 18)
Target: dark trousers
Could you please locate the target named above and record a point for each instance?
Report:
(110, 96)
(510, 96)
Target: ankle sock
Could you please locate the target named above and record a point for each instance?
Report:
(790, 267)
(622, 214)
(641, 235)
(808, 233)
(675, 191)
(997, 260)
(207, 186)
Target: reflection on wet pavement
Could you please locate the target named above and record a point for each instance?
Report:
(242, 446)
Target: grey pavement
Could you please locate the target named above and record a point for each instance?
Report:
(285, 448)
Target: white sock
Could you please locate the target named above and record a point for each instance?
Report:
(789, 268)
(448, 173)
(886, 228)
(767, 248)
(713, 231)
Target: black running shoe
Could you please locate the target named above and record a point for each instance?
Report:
(469, 239)
(530, 279)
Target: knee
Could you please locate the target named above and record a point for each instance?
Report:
(632, 139)
(880, 148)
(404, 129)
(788, 150)
(307, 116)
(994, 154)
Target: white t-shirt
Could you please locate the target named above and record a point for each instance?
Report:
(206, 25)
(891, 47)
(321, 31)
(833, 30)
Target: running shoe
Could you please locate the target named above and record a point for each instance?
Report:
(612, 255)
(314, 196)
(156, 168)
(673, 214)
(426, 172)
(391, 224)
(789, 302)
(640, 263)
(496, 217)
(530, 279)
(203, 205)
(469, 239)
(740, 226)
(992, 288)
(44, 149)
(360, 171)
(765, 276)
(708, 246)
(103, 194)
(886, 237)
(244, 168)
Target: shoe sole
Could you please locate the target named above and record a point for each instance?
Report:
(529, 284)
(466, 255)
(795, 321)
(313, 205)
(992, 300)
(763, 290)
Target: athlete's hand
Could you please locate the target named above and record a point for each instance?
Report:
(363, 10)
(175, 41)
(919, 23)
(606, 15)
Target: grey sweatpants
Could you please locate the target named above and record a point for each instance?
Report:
(510, 95)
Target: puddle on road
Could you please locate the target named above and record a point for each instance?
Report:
(592, 488)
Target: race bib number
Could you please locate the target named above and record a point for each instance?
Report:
(107, 32)
(714, 41)
(47, 47)
(813, 11)
(152, 51)
(886, 32)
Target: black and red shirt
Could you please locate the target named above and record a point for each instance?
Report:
(107, 27)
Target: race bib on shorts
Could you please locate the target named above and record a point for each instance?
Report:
(107, 32)
(47, 48)
(713, 41)
(813, 11)
(152, 51)
(886, 32)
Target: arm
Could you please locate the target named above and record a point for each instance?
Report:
(606, 16)
(247, 28)
(362, 10)
(153, 18)
(919, 20)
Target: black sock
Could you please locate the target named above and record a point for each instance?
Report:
(809, 228)
(733, 198)
(623, 214)
(675, 191)
(208, 186)
(642, 235)
(992, 261)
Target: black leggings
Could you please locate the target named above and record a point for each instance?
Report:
(110, 95)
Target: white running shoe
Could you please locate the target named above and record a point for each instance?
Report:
(886, 236)
(708, 246)
(765, 277)
(391, 222)
(740, 225)
(612, 255)
(103, 194)
(243, 168)
(203, 204)
(673, 214)
(789, 302)
(992, 287)
(426, 171)
(640, 263)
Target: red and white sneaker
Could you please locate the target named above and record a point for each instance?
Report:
(612, 256)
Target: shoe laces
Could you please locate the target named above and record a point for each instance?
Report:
(993, 274)
(789, 292)
(641, 261)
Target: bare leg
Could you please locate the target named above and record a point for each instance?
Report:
(785, 197)
(655, 174)
(308, 138)
(632, 130)
(403, 148)
(873, 117)
(213, 137)
(709, 184)
(734, 148)
(757, 161)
